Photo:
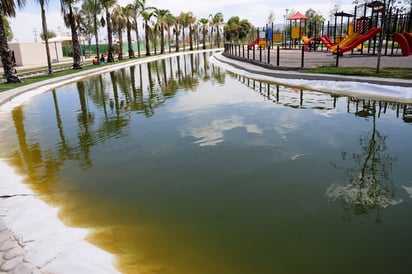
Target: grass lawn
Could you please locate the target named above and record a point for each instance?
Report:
(44, 76)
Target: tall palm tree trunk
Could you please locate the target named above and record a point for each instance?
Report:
(96, 35)
(147, 33)
(10, 72)
(120, 49)
(75, 41)
(190, 37)
(177, 38)
(110, 57)
(129, 39)
(162, 40)
(137, 39)
(46, 36)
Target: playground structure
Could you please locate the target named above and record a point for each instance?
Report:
(377, 27)
(372, 26)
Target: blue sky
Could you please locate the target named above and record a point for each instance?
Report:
(28, 21)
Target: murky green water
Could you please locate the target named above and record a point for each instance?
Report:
(180, 167)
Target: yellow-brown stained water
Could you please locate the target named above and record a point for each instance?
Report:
(222, 179)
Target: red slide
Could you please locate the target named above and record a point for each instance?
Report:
(408, 37)
(359, 40)
(326, 40)
(403, 43)
(249, 46)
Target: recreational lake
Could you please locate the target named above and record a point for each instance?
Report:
(180, 166)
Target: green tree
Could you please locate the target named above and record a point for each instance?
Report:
(161, 15)
(107, 4)
(186, 20)
(170, 21)
(335, 8)
(236, 30)
(147, 14)
(216, 22)
(137, 7)
(204, 22)
(8, 8)
(129, 12)
(119, 23)
(7, 28)
(177, 29)
(315, 21)
(90, 9)
(45, 32)
(71, 19)
(50, 34)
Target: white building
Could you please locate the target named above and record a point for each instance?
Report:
(32, 54)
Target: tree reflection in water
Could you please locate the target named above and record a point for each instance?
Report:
(368, 186)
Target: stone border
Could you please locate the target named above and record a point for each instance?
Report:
(288, 73)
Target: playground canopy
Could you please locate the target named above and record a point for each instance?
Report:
(298, 16)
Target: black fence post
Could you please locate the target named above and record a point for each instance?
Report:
(302, 63)
(253, 53)
(337, 56)
(260, 54)
(269, 54)
(277, 55)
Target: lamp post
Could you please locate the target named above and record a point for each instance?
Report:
(285, 27)
(211, 30)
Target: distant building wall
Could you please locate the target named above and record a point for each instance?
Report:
(30, 54)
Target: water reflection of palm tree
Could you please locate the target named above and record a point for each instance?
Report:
(39, 166)
(85, 119)
(65, 149)
(369, 187)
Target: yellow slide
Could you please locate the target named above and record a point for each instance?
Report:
(345, 41)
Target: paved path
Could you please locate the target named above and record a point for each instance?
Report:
(292, 59)
(12, 255)
(291, 73)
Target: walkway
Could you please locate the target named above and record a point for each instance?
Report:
(292, 58)
(12, 256)
(321, 57)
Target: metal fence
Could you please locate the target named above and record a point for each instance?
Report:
(282, 58)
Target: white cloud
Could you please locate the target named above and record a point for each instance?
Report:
(213, 132)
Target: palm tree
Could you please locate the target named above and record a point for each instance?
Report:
(119, 22)
(137, 7)
(169, 20)
(147, 15)
(176, 29)
(107, 4)
(8, 8)
(183, 20)
(236, 29)
(70, 20)
(216, 22)
(191, 20)
(204, 22)
(86, 28)
(186, 20)
(93, 8)
(129, 12)
(45, 32)
(161, 15)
